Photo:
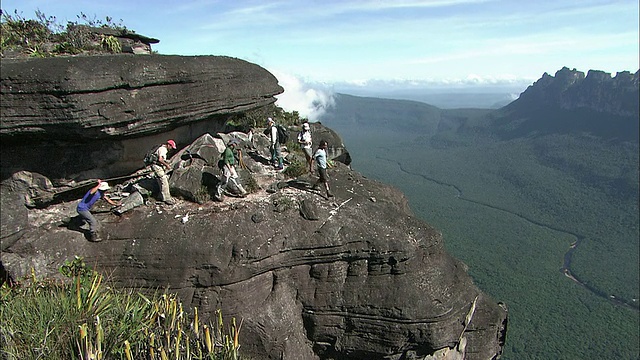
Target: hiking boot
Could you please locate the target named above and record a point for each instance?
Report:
(170, 202)
(329, 194)
(93, 237)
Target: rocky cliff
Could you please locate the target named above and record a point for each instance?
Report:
(598, 104)
(357, 276)
(598, 91)
(100, 112)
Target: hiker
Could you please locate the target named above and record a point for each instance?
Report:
(304, 139)
(229, 173)
(320, 158)
(160, 168)
(276, 155)
(94, 194)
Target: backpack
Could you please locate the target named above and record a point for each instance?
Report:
(283, 134)
(151, 157)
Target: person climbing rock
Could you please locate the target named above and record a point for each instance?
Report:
(88, 200)
(229, 173)
(161, 167)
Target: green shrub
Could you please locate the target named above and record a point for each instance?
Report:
(202, 195)
(296, 169)
(251, 184)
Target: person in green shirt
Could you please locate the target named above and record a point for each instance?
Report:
(229, 173)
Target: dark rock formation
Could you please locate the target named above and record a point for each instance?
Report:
(366, 280)
(597, 104)
(354, 277)
(570, 89)
(91, 112)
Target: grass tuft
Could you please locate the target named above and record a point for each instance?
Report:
(87, 319)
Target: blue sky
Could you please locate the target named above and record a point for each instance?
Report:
(395, 44)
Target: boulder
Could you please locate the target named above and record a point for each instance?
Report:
(105, 111)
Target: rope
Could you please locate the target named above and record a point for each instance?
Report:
(89, 181)
(241, 161)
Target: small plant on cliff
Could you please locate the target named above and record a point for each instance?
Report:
(251, 183)
(88, 319)
(111, 44)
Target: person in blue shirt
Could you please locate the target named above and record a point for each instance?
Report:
(88, 200)
(320, 158)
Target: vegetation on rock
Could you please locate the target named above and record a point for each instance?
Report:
(86, 318)
(44, 36)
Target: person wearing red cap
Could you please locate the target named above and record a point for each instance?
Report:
(160, 168)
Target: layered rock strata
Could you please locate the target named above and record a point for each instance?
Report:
(91, 112)
(354, 277)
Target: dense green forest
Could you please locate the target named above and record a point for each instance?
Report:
(511, 208)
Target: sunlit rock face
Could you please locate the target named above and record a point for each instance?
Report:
(356, 276)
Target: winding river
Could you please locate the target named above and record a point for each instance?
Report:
(566, 267)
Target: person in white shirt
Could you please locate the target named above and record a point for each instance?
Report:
(304, 139)
(276, 155)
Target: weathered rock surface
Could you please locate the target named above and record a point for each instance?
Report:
(101, 112)
(83, 98)
(367, 280)
(352, 277)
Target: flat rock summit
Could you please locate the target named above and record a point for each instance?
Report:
(356, 276)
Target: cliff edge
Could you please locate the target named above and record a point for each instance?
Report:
(357, 276)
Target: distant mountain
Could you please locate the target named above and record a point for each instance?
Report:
(450, 99)
(571, 90)
(597, 104)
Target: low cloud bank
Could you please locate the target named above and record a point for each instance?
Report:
(309, 100)
(312, 99)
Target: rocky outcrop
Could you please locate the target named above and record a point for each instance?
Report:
(365, 280)
(130, 42)
(571, 103)
(598, 91)
(95, 112)
(357, 276)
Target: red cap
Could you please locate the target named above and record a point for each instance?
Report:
(172, 143)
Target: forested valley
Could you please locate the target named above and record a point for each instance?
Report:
(544, 213)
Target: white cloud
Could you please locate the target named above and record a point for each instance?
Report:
(309, 100)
